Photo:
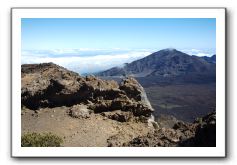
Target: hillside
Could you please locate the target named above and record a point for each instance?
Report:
(167, 65)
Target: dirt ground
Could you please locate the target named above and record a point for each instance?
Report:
(80, 132)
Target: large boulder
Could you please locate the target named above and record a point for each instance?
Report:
(79, 111)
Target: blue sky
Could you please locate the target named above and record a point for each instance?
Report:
(105, 33)
(90, 44)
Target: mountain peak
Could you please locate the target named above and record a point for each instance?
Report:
(166, 51)
(169, 49)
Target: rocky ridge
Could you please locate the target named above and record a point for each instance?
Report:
(49, 85)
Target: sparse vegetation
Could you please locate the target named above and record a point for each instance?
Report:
(199, 120)
(41, 140)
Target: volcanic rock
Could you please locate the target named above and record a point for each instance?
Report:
(118, 115)
(206, 132)
(197, 134)
(49, 85)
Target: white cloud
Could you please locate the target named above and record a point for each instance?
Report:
(75, 59)
(198, 52)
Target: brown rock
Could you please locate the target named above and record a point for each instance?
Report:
(118, 115)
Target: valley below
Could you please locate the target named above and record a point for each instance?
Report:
(185, 102)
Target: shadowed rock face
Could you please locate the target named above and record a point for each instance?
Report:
(206, 132)
(49, 85)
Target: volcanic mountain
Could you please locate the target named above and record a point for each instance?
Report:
(166, 64)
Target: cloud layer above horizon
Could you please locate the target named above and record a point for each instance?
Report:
(199, 53)
(86, 60)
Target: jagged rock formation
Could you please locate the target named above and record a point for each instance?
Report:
(201, 133)
(205, 135)
(49, 85)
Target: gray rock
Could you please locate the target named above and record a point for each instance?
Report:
(79, 111)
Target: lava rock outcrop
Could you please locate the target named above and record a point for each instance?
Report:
(201, 133)
(49, 85)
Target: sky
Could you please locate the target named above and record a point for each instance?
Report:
(76, 42)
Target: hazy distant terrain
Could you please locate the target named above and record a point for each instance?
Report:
(185, 101)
